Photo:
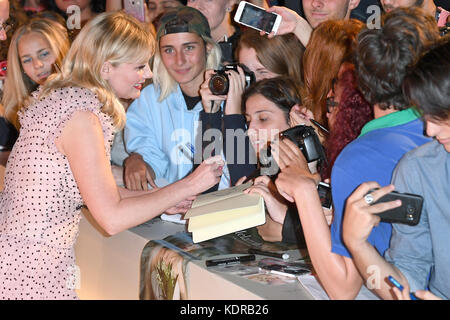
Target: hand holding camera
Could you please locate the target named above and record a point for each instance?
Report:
(226, 84)
(210, 102)
(305, 145)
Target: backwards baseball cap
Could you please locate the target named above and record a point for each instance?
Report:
(183, 19)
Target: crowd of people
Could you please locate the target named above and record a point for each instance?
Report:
(89, 91)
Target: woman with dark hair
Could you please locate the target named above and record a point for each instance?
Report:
(267, 106)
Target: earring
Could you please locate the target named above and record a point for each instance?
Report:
(228, 9)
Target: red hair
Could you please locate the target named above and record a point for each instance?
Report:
(331, 44)
(353, 112)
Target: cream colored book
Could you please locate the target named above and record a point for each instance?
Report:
(225, 211)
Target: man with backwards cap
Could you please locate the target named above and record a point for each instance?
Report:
(163, 127)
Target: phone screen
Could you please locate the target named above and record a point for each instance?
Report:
(258, 18)
(325, 195)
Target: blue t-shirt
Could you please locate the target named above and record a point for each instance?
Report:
(371, 157)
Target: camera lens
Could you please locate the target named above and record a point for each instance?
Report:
(410, 210)
(218, 84)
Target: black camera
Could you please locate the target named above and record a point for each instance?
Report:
(219, 82)
(305, 137)
(408, 213)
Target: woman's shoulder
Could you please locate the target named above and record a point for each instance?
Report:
(59, 103)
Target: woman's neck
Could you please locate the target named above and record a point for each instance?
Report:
(224, 29)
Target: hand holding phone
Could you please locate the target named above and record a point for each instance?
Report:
(257, 18)
(408, 213)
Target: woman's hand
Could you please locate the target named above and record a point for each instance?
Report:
(300, 115)
(270, 231)
(294, 168)
(206, 175)
(275, 205)
(137, 173)
(241, 180)
(236, 89)
(181, 207)
(211, 103)
(289, 20)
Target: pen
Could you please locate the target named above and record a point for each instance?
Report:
(190, 147)
(321, 126)
(228, 261)
(400, 287)
(283, 256)
(185, 153)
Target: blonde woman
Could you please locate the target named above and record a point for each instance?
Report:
(61, 161)
(36, 51)
(162, 125)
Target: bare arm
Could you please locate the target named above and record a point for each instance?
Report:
(92, 171)
(359, 220)
(4, 157)
(337, 273)
(292, 22)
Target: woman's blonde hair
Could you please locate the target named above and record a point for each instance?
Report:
(164, 80)
(18, 85)
(113, 37)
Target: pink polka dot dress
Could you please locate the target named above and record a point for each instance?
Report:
(40, 206)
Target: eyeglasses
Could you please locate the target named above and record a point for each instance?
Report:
(331, 103)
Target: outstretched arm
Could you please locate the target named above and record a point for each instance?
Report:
(359, 220)
(292, 22)
(337, 273)
(92, 172)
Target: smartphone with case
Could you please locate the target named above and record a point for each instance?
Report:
(135, 8)
(408, 213)
(257, 18)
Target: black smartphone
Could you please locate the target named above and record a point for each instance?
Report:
(324, 190)
(408, 213)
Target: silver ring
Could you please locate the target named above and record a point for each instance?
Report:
(368, 198)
